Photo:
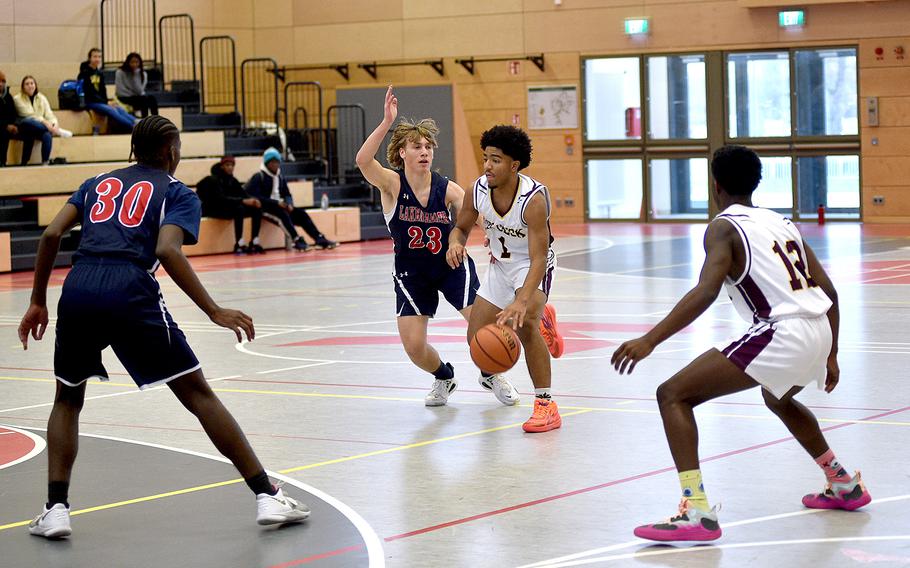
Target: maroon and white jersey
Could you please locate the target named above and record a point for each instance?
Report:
(508, 233)
(776, 283)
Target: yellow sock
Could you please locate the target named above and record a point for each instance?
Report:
(693, 489)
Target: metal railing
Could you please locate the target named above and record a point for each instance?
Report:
(303, 119)
(128, 26)
(177, 40)
(218, 73)
(259, 91)
(345, 132)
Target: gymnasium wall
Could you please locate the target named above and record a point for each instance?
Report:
(312, 32)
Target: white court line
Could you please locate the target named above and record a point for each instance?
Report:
(694, 549)
(39, 442)
(374, 544)
(137, 390)
(294, 368)
(553, 562)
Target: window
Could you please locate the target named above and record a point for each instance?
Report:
(758, 94)
(676, 97)
(614, 189)
(775, 191)
(832, 181)
(613, 89)
(826, 92)
(679, 188)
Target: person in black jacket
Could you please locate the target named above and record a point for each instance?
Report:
(224, 198)
(96, 94)
(270, 187)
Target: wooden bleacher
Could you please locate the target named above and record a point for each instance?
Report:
(81, 122)
(116, 147)
(55, 180)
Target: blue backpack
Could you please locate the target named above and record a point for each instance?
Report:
(70, 95)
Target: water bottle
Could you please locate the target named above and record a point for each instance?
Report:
(324, 202)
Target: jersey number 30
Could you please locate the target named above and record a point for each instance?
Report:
(434, 239)
(132, 207)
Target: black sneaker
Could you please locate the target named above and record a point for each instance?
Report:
(241, 249)
(301, 245)
(255, 249)
(324, 243)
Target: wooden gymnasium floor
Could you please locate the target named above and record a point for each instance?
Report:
(328, 399)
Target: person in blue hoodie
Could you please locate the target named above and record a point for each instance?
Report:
(271, 189)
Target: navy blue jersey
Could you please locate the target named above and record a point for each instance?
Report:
(421, 234)
(122, 212)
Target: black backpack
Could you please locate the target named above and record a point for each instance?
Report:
(70, 95)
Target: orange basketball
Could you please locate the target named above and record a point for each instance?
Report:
(495, 349)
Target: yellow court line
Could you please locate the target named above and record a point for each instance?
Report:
(563, 407)
(417, 444)
(285, 471)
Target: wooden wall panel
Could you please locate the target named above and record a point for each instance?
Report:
(273, 13)
(886, 171)
(890, 142)
(5, 253)
(319, 12)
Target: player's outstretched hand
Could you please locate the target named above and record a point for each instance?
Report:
(455, 255)
(833, 375)
(390, 108)
(630, 353)
(35, 322)
(514, 315)
(236, 321)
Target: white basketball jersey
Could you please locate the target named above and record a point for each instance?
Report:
(508, 233)
(776, 283)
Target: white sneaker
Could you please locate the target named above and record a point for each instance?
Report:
(52, 523)
(278, 508)
(502, 389)
(64, 133)
(439, 394)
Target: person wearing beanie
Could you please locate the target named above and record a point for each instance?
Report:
(271, 189)
(223, 197)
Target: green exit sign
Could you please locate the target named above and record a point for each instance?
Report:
(791, 18)
(636, 26)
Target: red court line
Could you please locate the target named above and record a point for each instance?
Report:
(557, 395)
(199, 430)
(619, 481)
(321, 556)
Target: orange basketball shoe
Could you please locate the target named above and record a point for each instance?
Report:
(545, 417)
(550, 332)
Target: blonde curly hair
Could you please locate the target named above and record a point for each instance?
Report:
(407, 131)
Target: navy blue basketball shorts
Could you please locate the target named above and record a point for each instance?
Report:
(117, 304)
(417, 291)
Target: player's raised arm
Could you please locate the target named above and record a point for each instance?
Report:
(718, 262)
(372, 170)
(35, 319)
(170, 253)
(464, 222)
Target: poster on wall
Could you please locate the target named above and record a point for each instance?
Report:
(553, 107)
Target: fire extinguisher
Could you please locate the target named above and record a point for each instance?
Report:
(821, 214)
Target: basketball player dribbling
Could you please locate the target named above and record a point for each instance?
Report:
(516, 217)
(778, 285)
(416, 203)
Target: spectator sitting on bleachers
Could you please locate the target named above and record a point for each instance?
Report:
(12, 127)
(35, 114)
(270, 187)
(223, 197)
(95, 90)
(130, 80)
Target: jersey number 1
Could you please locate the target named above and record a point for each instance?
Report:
(799, 265)
(132, 207)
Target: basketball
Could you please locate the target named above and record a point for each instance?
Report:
(495, 349)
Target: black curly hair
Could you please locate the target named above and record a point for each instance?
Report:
(513, 141)
(151, 136)
(736, 169)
